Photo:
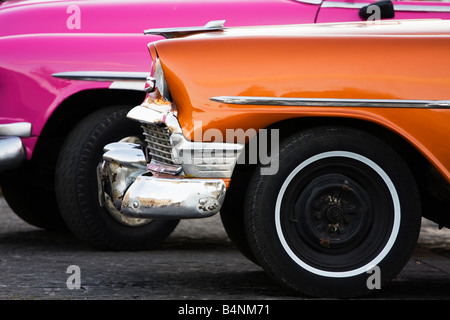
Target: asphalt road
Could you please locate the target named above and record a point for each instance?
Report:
(196, 262)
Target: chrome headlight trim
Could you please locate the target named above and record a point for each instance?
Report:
(198, 159)
(150, 85)
(160, 80)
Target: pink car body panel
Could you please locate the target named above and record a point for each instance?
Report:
(39, 39)
(29, 91)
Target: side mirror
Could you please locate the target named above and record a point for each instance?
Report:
(386, 10)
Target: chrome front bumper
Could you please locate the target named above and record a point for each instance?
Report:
(153, 197)
(136, 192)
(12, 150)
(174, 179)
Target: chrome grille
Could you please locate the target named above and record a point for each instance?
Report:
(159, 147)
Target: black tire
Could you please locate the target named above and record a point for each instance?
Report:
(76, 186)
(232, 211)
(233, 223)
(341, 204)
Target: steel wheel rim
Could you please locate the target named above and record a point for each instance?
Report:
(307, 264)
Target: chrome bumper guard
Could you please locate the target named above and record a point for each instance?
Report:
(125, 180)
(174, 179)
(12, 150)
(152, 197)
(12, 153)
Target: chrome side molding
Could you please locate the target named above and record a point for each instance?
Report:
(120, 79)
(18, 129)
(324, 102)
(102, 75)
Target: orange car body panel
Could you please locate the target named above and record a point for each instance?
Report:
(393, 60)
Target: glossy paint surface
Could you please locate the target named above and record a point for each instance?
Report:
(134, 16)
(392, 60)
(28, 90)
(39, 38)
(344, 11)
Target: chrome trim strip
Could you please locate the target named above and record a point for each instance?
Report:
(170, 33)
(18, 129)
(324, 102)
(309, 1)
(102, 75)
(424, 8)
(397, 7)
(128, 85)
(344, 5)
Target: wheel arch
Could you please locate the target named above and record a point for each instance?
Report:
(70, 112)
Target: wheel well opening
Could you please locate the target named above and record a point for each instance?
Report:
(68, 114)
(79, 105)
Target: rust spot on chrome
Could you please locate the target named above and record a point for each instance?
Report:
(324, 243)
(158, 203)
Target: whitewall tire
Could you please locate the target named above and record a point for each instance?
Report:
(341, 203)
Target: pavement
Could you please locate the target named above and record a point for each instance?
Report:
(197, 261)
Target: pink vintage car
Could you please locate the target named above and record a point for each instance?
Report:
(71, 70)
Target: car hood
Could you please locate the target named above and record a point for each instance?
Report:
(17, 3)
(134, 16)
(20, 17)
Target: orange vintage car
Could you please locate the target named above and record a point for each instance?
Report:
(322, 146)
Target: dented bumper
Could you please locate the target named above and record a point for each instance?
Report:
(126, 183)
(153, 197)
